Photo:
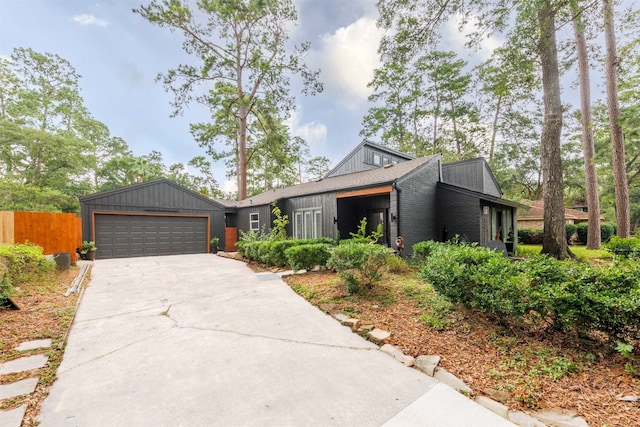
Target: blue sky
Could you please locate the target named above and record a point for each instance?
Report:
(119, 54)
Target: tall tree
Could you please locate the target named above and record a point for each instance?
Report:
(588, 145)
(240, 46)
(413, 23)
(554, 241)
(617, 137)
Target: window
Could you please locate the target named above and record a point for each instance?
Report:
(377, 160)
(307, 223)
(386, 161)
(254, 221)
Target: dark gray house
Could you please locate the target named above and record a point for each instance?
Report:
(419, 199)
(157, 217)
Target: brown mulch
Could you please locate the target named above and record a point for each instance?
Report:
(44, 313)
(488, 357)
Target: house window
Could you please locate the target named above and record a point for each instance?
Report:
(307, 223)
(254, 221)
(377, 160)
(386, 161)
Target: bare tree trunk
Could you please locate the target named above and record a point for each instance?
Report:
(593, 202)
(494, 130)
(617, 138)
(242, 155)
(554, 241)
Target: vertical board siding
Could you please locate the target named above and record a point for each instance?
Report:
(153, 198)
(55, 232)
(6, 227)
(325, 202)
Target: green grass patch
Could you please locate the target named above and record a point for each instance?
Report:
(581, 252)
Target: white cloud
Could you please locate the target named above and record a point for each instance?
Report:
(347, 59)
(455, 40)
(86, 19)
(229, 187)
(314, 133)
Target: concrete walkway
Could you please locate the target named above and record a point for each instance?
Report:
(200, 340)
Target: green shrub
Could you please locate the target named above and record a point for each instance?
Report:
(624, 247)
(19, 264)
(571, 230)
(607, 230)
(305, 257)
(395, 264)
(530, 236)
(359, 264)
(582, 229)
(423, 250)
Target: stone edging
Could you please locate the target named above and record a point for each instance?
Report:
(429, 366)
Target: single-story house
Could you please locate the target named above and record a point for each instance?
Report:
(416, 198)
(532, 215)
(157, 217)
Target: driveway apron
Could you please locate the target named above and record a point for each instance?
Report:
(202, 340)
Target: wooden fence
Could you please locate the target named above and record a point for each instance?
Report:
(55, 232)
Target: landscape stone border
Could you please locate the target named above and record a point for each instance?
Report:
(428, 364)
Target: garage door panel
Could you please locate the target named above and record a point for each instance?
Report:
(122, 236)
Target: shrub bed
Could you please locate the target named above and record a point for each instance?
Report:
(624, 247)
(530, 236)
(307, 256)
(359, 264)
(565, 294)
(19, 264)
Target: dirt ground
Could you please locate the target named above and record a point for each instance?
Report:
(44, 313)
(523, 370)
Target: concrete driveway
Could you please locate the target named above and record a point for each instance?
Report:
(199, 340)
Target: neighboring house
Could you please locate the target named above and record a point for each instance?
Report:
(157, 217)
(419, 199)
(533, 216)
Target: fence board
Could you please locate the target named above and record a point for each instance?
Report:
(55, 232)
(6, 227)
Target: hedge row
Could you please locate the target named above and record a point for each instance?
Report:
(624, 247)
(567, 295)
(273, 252)
(533, 236)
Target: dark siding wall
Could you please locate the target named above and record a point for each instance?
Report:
(489, 185)
(155, 198)
(461, 213)
(264, 215)
(417, 207)
(362, 160)
(355, 163)
(466, 175)
(326, 202)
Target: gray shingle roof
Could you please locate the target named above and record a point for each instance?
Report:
(379, 176)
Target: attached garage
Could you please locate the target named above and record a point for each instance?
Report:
(149, 219)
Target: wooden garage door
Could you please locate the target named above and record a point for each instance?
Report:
(123, 236)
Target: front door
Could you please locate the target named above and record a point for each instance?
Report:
(376, 217)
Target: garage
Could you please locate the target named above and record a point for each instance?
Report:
(124, 236)
(152, 218)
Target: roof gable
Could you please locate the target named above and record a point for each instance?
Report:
(474, 175)
(368, 178)
(162, 187)
(361, 158)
